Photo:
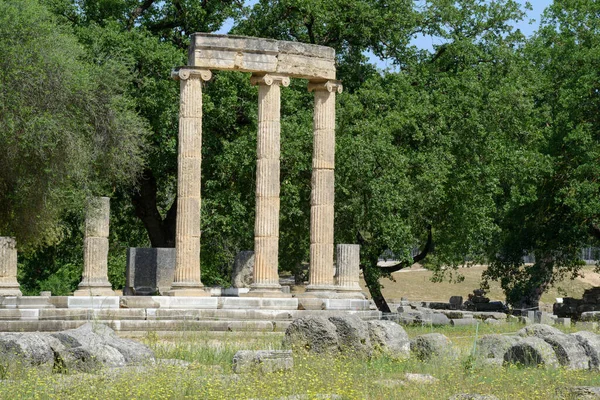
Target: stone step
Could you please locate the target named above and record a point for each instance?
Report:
(70, 314)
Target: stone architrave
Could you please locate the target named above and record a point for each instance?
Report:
(348, 267)
(322, 194)
(266, 226)
(187, 234)
(8, 267)
(95, 250)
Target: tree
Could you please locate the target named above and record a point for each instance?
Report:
(561, 214)
(67, 129)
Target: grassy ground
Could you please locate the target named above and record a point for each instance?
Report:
(416, 284)
(210, 374)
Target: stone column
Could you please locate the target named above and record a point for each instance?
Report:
(187, 235)
(95, 250)
(322, 195)
(348, 267)
(8, 267)
(266, 226)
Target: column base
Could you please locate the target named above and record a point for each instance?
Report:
(350, 294)
(10, 291)
(258, 290)
(319, 292)
(188, 291)
(94, 291)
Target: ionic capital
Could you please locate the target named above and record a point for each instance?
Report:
(329, 86)
(185, 73)
(269, 80)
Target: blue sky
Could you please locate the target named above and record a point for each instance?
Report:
(528, 27)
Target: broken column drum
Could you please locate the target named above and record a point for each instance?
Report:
(348, 266)
(8, 267)
(94, 280)
(272, 64)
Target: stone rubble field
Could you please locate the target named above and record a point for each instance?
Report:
(341, 357)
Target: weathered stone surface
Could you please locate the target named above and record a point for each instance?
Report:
(249, 54)
(590, 316)
(495, 346)
(531, 351)
(464, 321)
(262, 360)
(430, 345)
(353, 335)
(243, 268)
(435, 319)
(389, 338)
(312, 333)
(492, 321)
(83, 349)
(569, 351)
(8, 267)
(35, 349)
(579, 392)
(591, 343)
(96, 337)
(456, 301)
(539, 331)
(348, 263)
(150, 271)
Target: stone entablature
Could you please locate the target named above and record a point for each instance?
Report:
(261, 56)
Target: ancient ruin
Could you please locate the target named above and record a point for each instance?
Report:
(272, 64)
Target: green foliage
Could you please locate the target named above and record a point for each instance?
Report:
(67, 129)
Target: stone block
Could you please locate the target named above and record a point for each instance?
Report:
(93, 302)
(186, 302)
(346, 304)
(240, 302)
(150, 271)
(464, 321)
(243, 268)
(264, 361)
(563, 321)
(456, 301)
(588, 326)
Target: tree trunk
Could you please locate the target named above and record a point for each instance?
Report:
(371, 275)
(161, 232)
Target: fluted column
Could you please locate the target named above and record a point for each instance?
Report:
(187, 281)
(8, 267)
(266, 226)
(322, 195)
(348, 267)
(94, 280)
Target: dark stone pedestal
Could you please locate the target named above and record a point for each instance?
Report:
(150, 271)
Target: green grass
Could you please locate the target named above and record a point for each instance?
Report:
(210, 374)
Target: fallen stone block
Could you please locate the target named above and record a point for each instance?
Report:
(531, 351)
(264, 361)
(468, 396)
(420, 378)
(464, 321)
(389, 338)
(591, 343)
(569, 351)
(494, 346)
(539, 331)
(430, 345)
(353, 335)
(313, 333)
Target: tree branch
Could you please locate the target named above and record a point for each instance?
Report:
(138, 12)
(419, 257)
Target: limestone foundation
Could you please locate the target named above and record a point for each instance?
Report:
(266, 226)
(348, 267)
(187, 235)
(322, 195)
(95, 250)
(8, 267)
